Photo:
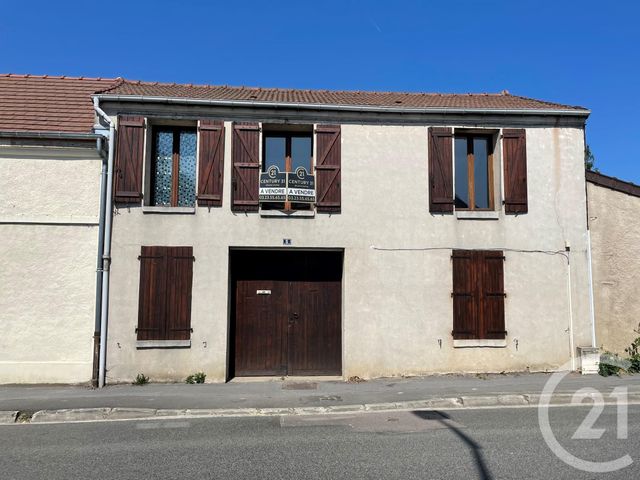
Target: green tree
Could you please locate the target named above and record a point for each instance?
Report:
(589, 160)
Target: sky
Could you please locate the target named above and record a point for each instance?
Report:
(583, 53)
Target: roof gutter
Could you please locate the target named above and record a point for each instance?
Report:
(51, 135)
(350, 108)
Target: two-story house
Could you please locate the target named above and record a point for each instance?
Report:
(268, 232)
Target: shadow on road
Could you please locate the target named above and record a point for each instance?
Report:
(476, 449)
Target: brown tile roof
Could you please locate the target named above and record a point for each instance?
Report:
(613, 183)
(480, 101)
(48, 104)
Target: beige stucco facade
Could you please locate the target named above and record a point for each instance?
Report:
(49, 204)
(397, 281)
(615, 242)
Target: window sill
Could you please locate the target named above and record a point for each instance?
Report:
(484, 343)
(280, 213)
(477, 214)
(163, 343)
(170, 210)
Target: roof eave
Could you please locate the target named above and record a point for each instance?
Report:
(353, 108)
(49, 135)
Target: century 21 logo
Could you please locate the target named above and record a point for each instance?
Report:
(585, 431)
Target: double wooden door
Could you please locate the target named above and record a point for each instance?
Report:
(287, 312)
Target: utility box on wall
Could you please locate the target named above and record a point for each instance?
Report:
(589, 360)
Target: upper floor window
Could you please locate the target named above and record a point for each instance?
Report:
(473, 172)
(288, 151)
(173, 167)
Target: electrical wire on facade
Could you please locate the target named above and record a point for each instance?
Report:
(562, 253)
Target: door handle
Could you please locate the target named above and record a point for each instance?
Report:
(293, 318)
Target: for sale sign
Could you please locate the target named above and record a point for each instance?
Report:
(301, 186)
(273, 185)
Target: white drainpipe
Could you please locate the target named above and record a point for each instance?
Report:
(106, 257)
(569, 288)
(593, 311)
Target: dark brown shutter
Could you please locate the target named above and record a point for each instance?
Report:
(492, 299)
(440, 170)
(515, 170)
(210, 173)
(179, 278)
(164, 309)
(465, 317)
(328, 166)
(129, 159)
(246, 166)
(153, 284)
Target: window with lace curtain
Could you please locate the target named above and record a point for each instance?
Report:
(173, 165)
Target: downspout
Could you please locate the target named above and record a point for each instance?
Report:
(591, 303)
(571, 336)
(106, 255)
(96, 331)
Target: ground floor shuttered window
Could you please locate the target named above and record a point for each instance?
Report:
(478, 295)
(166, 275)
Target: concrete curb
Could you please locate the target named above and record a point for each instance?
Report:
(78, 415)
(8, 417)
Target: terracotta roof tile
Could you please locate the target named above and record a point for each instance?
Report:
(483, 101)
(44, 103)
(63, 104)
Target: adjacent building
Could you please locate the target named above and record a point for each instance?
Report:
(615, 244)
(50, 173)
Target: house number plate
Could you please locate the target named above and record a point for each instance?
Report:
(263, 292)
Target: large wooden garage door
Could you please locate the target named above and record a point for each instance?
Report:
(287, 312)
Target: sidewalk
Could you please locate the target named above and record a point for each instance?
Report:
(293, 396)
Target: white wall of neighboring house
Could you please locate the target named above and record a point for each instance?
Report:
(49, 204)
(397, 307)
(615, 232)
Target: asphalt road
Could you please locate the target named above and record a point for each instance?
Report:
(483, 443)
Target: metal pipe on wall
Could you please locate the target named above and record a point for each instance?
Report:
(591, 302)
(96, 334)
(106, 255)
(570, 299)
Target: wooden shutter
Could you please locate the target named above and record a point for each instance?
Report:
(492, 298)
(129, 159)
(246, 166)
(164, 310)
(211, 159)
(328, 166)
(179, 278)
(514, 155)
(153, 285)
(478, 295)
(440, 170)
(465, 315)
